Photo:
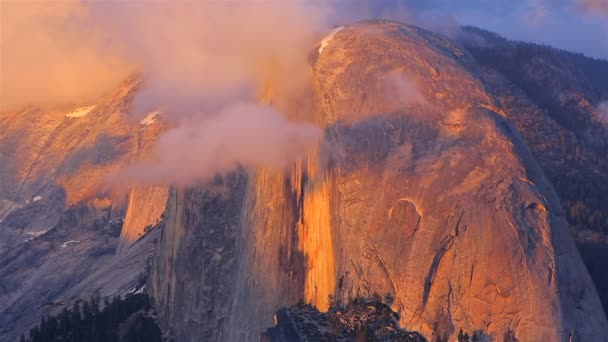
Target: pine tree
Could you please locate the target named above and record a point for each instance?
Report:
(52, 328)
(87, 314)
(95, 303)
(75, 323)
(463, 336)
(64, 322)
(35, 334)
(85, 321)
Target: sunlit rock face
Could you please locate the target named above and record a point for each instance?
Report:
(450, 213)
(52, 159)
(423, 190)
(144, 210)
(61, 226)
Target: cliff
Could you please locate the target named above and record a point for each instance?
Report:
(554, 98)
(64, 233)
(362, 320)
(428, 193)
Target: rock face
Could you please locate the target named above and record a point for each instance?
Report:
(554, 98)
(428, 193)
(51, 159)
(145, 207)
(60, 228)
(71, 261)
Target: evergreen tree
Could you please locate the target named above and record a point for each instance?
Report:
(86, 321)
(64, 322)
(35, 334)
(463, 336)
(87, 314)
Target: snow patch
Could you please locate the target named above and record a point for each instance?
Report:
(65, 244)
(80, 112)
(149, 119)
(37, 198)
(329, 37)
(137, 290)
(34, 235)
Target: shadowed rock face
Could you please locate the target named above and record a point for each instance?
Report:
(427, 193)
(71, 261)
(60, 229)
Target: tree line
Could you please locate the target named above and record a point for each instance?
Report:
(117, 319)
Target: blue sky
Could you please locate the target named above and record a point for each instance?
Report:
(577, 25)
(563, 26)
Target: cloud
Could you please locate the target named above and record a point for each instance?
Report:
(50, 55)
(205, 65)
(241, 135)
(402, 91)
(594, 6)
(208, 54)
(211, 63)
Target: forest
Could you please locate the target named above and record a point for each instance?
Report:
(128, 319)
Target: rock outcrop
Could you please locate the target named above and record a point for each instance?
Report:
(428, 193)
(72, 261)
(62, 235)
(361, 320)
(52, 159)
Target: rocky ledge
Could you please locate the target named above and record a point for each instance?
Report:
(361, 320)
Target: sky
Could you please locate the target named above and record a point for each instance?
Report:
(580, 26)
(48, 49)
(576, 25)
